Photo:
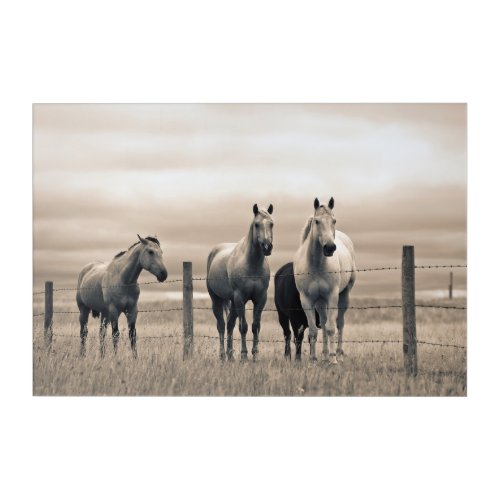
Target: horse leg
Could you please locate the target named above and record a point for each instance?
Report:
(285, 324)
(323, 318)
(343, 305)
(231, 321)
(298, 337)
(84, 319)
(311, 320)
(239, 305)
(132, 332)
(218, 310)
(331, 321)
(102, 333)
(258, 306)
(115, 332)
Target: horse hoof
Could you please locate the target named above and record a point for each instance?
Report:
(313, 359)
(222, 356)
(334, 360)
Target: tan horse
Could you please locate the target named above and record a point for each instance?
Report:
(109, 289)
(325, 270)
(237, 273)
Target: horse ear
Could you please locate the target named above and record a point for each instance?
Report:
(255, 209)
(316, 203)
(270, 209)
(142, 240)
(330, 203)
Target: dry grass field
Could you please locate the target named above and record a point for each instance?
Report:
(369, 369)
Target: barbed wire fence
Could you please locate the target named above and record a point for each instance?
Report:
(408, 306)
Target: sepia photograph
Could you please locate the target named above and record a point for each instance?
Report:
(250, 249)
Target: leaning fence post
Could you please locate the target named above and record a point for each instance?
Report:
(49, 311)
(409, 318)
(451, 285)
(187, 308)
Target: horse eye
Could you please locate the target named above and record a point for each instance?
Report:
(317, 221)
(256, 224)
(150, 252)
(335, 221)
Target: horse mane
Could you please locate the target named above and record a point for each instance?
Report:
(306, 230)
(150, 238)
(153, 239)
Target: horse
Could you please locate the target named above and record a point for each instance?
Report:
(109, 289)
(290, 312)
(237, 273)
(325, 271)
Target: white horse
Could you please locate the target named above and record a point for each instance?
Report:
(237, 273)
(325, 270)
(109, 289)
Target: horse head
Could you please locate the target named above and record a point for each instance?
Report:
(151, 258)
(263, 228)
(323, 227)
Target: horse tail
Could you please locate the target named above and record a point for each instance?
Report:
(95, 314)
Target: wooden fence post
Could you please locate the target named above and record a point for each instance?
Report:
(49, 311)
(451, 285)
(409, 318)
(187, 308)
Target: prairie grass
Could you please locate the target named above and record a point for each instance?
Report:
(369, 369)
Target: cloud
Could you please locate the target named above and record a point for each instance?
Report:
(72, 232)
(190, 175)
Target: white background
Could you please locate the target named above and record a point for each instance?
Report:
(222, 51)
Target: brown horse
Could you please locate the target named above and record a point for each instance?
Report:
(237, 273)
(109, 289)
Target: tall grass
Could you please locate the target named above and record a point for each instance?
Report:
(368, 368)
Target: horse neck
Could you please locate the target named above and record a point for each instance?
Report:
(253, 251)
(131, 267)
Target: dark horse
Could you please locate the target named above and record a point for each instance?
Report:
(287, 300)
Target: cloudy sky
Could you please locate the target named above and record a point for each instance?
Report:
(191, 173)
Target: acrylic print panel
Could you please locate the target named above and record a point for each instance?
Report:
(186, 178)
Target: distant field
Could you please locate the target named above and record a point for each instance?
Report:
(368, 368)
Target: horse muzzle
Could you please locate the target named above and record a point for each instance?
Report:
(267, 248)
(328, 250)
(162, 276)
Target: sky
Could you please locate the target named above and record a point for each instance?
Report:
(190, 174)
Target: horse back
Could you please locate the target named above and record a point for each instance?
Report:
(89, 289)
(217, 277)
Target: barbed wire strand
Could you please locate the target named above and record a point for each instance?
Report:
(208, 308)
(203, 278)
(276, 341)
